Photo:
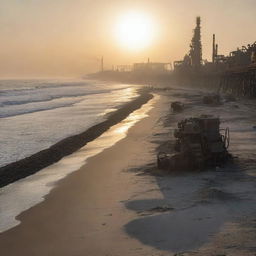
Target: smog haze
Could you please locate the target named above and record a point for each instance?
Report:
(53, 38)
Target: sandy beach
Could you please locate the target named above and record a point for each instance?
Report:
(85, 213)
(118, 203)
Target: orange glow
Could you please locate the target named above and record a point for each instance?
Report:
(135, 31)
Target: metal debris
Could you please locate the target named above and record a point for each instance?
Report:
(199, 144)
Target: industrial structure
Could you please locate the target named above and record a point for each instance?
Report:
(152, 67)
(145, 67)
(196, 47)
(239, 76)
(234, 73)
(193, 60)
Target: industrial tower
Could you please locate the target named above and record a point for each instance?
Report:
(196, 47)
(214, 49)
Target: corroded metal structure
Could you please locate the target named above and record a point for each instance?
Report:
(239, 81)
(199, 144)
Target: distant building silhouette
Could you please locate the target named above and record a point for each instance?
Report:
(151, 67)
(196, 46)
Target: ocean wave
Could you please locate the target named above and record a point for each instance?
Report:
(47, 98)
(9, 86)
(34, 85)
(34, 120)
(18, 103)
(29, 111)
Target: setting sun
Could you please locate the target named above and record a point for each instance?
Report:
(135, 31)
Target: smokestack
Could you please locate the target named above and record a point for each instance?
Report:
(213, 49)
(216, 50)
(198, 21)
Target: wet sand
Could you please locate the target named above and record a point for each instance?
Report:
(120, 204)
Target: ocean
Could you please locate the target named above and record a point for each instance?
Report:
(35, 114)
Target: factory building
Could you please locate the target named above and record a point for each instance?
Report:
(151, 67)
(192, 62)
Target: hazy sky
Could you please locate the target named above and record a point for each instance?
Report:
(67, 37)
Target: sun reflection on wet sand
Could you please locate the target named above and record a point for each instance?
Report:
(131, 120)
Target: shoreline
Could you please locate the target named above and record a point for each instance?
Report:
(42, 159)
(85, 212)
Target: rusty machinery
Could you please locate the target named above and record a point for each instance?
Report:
(199, 144)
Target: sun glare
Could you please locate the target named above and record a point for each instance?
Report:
(134, 31)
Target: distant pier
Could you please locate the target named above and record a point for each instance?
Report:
(239, 81)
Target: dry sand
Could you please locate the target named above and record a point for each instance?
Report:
(119, 204)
